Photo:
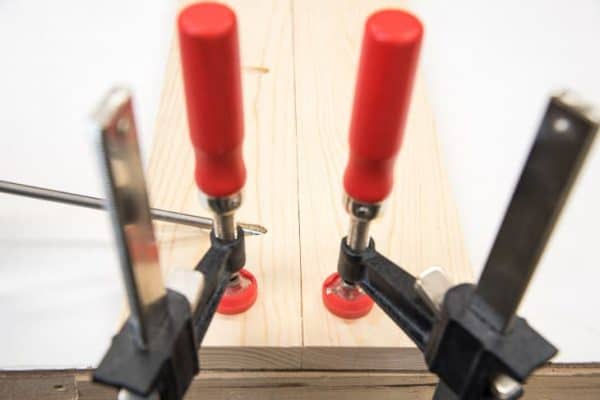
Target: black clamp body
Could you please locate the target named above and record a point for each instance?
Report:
(391, 287)
(221, 261)
(464, 344)
(168, 363)
(468, 349)
(170, 360)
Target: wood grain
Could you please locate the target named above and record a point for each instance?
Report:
(550, 383)
(299, 61)
(420, 227)
(270, 195)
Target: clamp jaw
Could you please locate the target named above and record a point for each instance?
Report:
(155, 354)
(459, 337)
(469, 334)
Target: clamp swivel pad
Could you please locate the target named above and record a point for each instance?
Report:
(240, 294)
(345, 300)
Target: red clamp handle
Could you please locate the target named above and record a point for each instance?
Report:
(388, 62)
(210, 60)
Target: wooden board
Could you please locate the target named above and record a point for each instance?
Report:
(550, 383)
(420, 226)
(270, 195)
(299, 64)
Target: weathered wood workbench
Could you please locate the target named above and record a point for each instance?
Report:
(551, 383)
(299, 63)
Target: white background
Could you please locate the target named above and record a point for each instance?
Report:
(489, 66)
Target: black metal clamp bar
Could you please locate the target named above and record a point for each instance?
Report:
(560, 147)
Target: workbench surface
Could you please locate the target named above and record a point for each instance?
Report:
(489, 70)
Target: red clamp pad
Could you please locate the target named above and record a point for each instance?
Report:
(345, 301)
(208, 41)
(240, 297)
(390, 52)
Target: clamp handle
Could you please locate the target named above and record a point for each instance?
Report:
(389, 57)
(208, 40)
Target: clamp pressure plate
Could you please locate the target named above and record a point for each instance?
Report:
(345, 300)
(240, 295)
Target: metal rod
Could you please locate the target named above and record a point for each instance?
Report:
(100, 204)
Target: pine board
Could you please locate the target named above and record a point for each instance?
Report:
(270, 195)
(420, 225)
(299, 63)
